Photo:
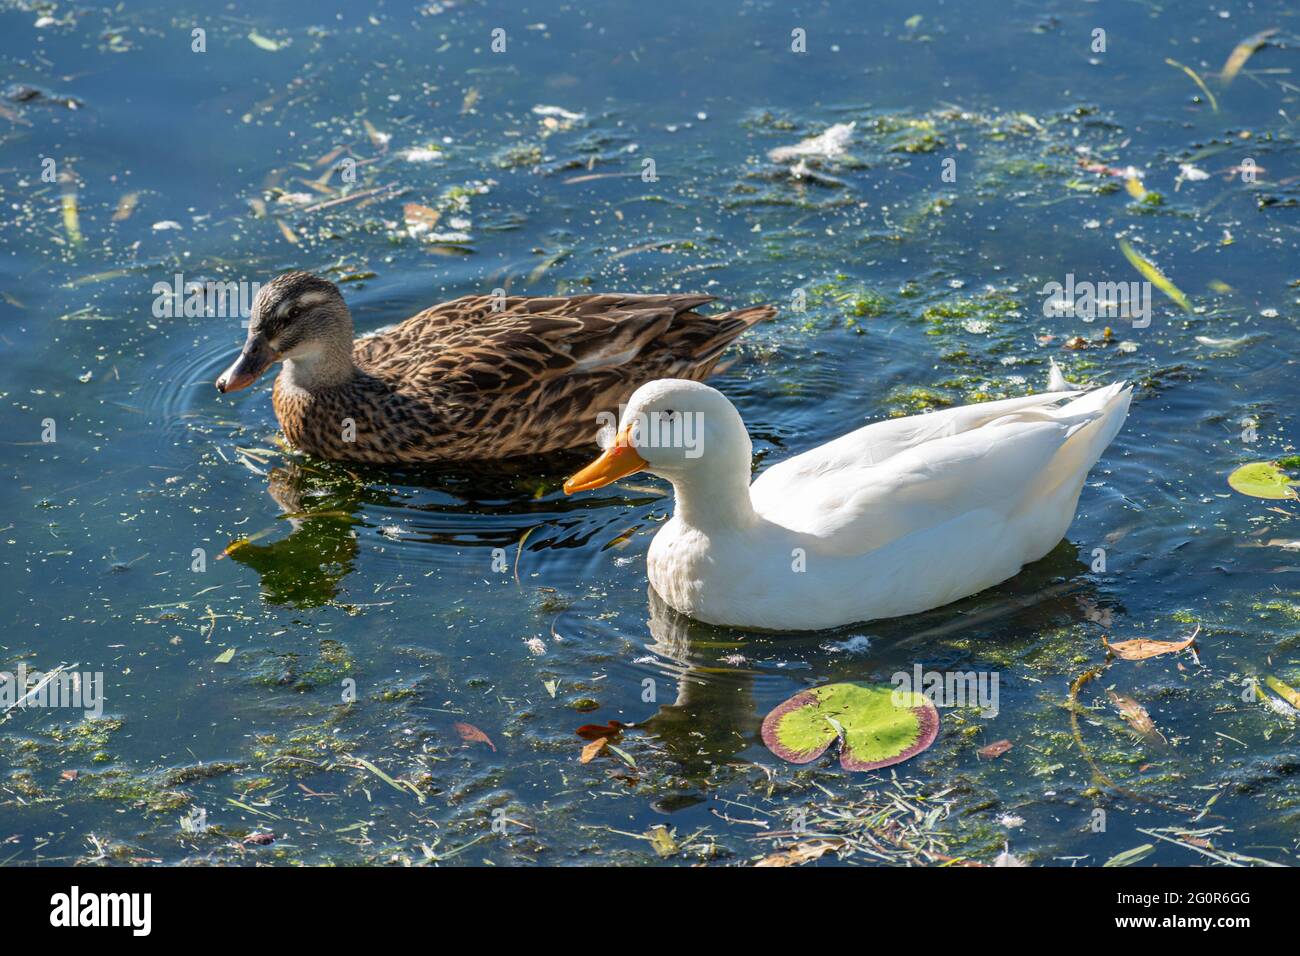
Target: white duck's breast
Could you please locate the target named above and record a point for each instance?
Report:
(775, 582)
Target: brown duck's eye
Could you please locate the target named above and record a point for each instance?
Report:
(294, 313)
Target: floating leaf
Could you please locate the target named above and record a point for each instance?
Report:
(125, 206)
(472, 735)
(1242, 52)
(264, 43)
(226, 656)
(1135, 188)
(593, 749)
(1007, 858)
(662, 840)
(1143, 648)
(995, 749)
(1263, 479)
(598, 731)
(419, 218)
(873, 729)
(801, 853)
(377, 139)
(1135, 715)
(1154, 275)
(622, 754)
(68, 202)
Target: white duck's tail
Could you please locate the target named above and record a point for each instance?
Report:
(1094, 419)
(1056, 379)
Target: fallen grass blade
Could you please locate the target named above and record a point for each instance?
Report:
(404, 786)
(1242, 52)
(1129, 857)
(45, 679)
(1214, 104)
(1154, 275)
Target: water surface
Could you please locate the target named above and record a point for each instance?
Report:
(922, 291)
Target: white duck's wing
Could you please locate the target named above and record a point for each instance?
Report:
(879, 483)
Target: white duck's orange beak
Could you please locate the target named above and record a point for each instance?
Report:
(617, 461)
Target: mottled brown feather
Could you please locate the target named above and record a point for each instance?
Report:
(462, 381)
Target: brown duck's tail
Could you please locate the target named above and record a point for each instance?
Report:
(726, 328)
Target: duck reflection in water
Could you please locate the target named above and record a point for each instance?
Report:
(490, 506)
(304, 568)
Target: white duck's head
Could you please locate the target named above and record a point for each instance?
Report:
(681, 430)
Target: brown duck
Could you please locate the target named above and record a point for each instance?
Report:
(475, 378)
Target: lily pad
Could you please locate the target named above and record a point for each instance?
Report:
(873, 727)
(1263, 479)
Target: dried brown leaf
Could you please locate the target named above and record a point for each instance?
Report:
(800, 853)
(995, 749)
(1143, 647)
(597, 731)
(593, 749)
(472, 735)
(417, 215)
(1135, 715)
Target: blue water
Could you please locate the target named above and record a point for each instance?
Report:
(921, 292)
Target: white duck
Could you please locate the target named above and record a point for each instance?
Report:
(895, 518)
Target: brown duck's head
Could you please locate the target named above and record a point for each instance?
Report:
(296, 317)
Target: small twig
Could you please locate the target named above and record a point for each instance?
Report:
(351, 197)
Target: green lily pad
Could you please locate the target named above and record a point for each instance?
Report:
(874, 730)
(1263, 479)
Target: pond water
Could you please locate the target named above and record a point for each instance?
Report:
(989, 155)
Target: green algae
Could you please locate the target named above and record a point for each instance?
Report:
(90, 735)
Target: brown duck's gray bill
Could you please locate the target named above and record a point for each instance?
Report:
(252, 362)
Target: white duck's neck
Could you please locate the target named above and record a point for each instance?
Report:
(713, 491)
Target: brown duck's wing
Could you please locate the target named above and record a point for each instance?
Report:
(471, 316)
(532, 378)
(467, 345)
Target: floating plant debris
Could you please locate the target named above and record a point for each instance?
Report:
(1242, 52)
(1263, 479)
(830, 144)
(1142, 648)
(874, 729)
(1154, 275)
